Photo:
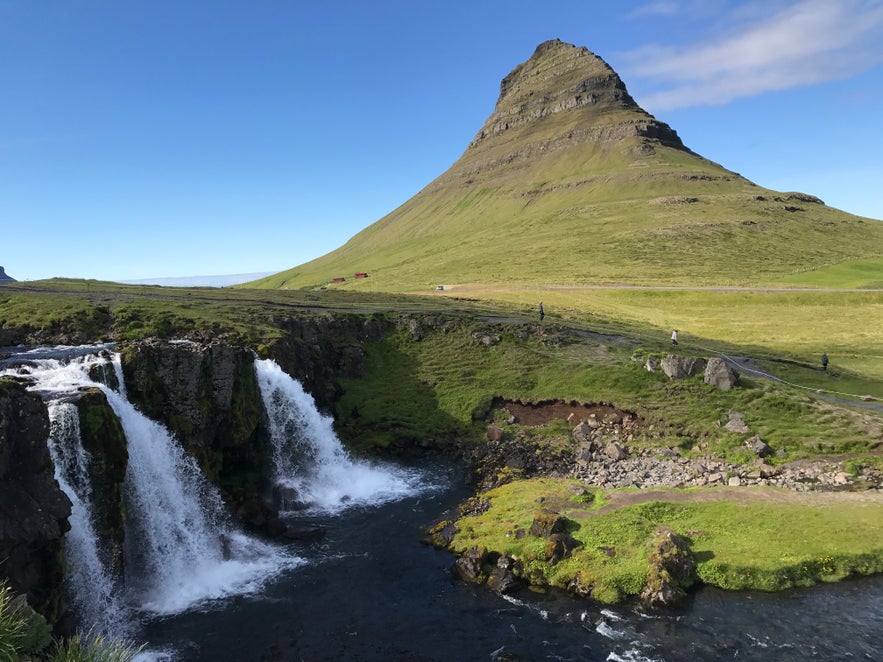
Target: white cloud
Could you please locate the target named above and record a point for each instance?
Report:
(804, 43)
(655, 9)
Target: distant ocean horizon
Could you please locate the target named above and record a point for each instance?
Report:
(200, 281)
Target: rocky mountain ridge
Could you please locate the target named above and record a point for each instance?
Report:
(561, 78)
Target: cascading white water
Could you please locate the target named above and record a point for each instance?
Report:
(185, 549)
(309, 458)
(180, 547)
(98, 606)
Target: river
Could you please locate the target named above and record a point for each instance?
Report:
(369, 589)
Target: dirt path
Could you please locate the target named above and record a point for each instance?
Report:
(738, 495)
(741, 495)
(467, 287)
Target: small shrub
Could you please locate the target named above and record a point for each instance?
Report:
(94, 648)
(12, 626)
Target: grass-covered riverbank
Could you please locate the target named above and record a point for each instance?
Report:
(746, 538)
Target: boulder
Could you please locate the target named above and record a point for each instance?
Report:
(503, 578)
(494, 433)
(547, 522)
(672, 568)
(736, 423)
(582, 434)
(682, 367)
(304, 533)
(560, 546)
(470, 566)
(614, 451)
(486, 339)
(758, 445)
(651, 364)
(720, 375)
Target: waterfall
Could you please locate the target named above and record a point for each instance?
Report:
(98, 606)
(311, 465)
(185, 548)
(180, 547)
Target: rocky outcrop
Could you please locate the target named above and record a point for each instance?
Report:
(682, 367)
(672, 568)
(208, 396)
(4, 278)
(318, 350)
(103, 438)
(736, 422)
(506, 576)
(562, 78)
(470, 566)
(553, 527)
(759, 446)
(33, 509)
(719, 374)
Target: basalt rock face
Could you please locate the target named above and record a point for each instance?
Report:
(33, 509)
(208, 396)
(563, 78)
(564, 102)
(103, 438)
(318, 350)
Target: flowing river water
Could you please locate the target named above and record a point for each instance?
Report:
(196, 588)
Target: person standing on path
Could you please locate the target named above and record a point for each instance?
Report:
(674, 337)
(542, 312)
(825, 362)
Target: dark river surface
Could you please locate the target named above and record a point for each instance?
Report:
(371, 591)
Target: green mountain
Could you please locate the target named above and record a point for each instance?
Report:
(570, 182)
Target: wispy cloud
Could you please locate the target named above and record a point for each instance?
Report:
(654, 9)
(803, 43)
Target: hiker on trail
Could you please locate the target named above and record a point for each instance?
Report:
(542, 312)
(674, 337)
(825, 362)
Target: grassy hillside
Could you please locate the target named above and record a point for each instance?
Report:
(557, 190)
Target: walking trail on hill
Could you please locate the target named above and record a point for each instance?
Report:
(740, 495)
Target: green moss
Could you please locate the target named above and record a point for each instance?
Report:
(762, 544)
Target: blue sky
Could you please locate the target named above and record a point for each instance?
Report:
(159, 138)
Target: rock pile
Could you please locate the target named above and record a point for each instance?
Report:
(665, 468)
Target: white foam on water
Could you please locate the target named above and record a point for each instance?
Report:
(186, 549)
(631, 655)
(611, 615)
(311, 462)
(92, 588)
(181, 550)
(605, 629)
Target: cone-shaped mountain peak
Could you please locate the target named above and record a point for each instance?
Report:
(563, 78)
(570, 182)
